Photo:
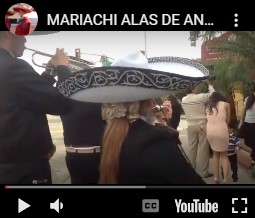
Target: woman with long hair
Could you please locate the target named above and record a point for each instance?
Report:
(176, 112)
(218, 118)
(247, 129)
(139, 152)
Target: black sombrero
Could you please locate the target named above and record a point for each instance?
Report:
(131, 78)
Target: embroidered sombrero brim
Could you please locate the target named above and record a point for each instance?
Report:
(178, 65)
(116, 84)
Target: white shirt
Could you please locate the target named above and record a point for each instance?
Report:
(194, 107)
(250, 114)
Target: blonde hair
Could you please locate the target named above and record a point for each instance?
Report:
(114, 136)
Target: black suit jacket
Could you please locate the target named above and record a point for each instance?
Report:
(26, 98)
(84, 125)
(150, 155)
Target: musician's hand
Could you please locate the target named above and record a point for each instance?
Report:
(49, 70)
(60, 58)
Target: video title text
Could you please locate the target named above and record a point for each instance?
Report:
(127, 19)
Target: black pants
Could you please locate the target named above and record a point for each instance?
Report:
(83, 168)
(253, 152)
(233, 165)
(246, 132)
(29, 172)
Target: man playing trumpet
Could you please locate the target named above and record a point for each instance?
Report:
(26, 98)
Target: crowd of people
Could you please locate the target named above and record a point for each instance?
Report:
(212, 123)
(103, 144)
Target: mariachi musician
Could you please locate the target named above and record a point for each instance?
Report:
(24, 25)
(83, 134)
(26, 97)
(133, 152)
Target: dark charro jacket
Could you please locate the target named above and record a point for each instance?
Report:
(25, 99)
(151, 155)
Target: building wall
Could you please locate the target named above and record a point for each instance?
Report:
(207, 55)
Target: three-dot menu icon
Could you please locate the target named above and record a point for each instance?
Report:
(236, 20)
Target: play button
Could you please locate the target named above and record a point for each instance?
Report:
(22, 205)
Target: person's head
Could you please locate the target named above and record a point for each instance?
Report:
(146, 106)
(173, 100)
(231, 127)
(251, 99)
(214, 99)
(146, 110)
(12, 43)
(192, 90)
(117, 116)
(22, 13)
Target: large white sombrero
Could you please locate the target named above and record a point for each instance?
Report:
(178, 65)
(132, 78)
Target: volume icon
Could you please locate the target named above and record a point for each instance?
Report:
(56, 205)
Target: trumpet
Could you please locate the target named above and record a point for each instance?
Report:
(76, 64)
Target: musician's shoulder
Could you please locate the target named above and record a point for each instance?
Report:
(164, 131)
(22, 65)
(150, 132)
(160, 133)
(22, 62)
